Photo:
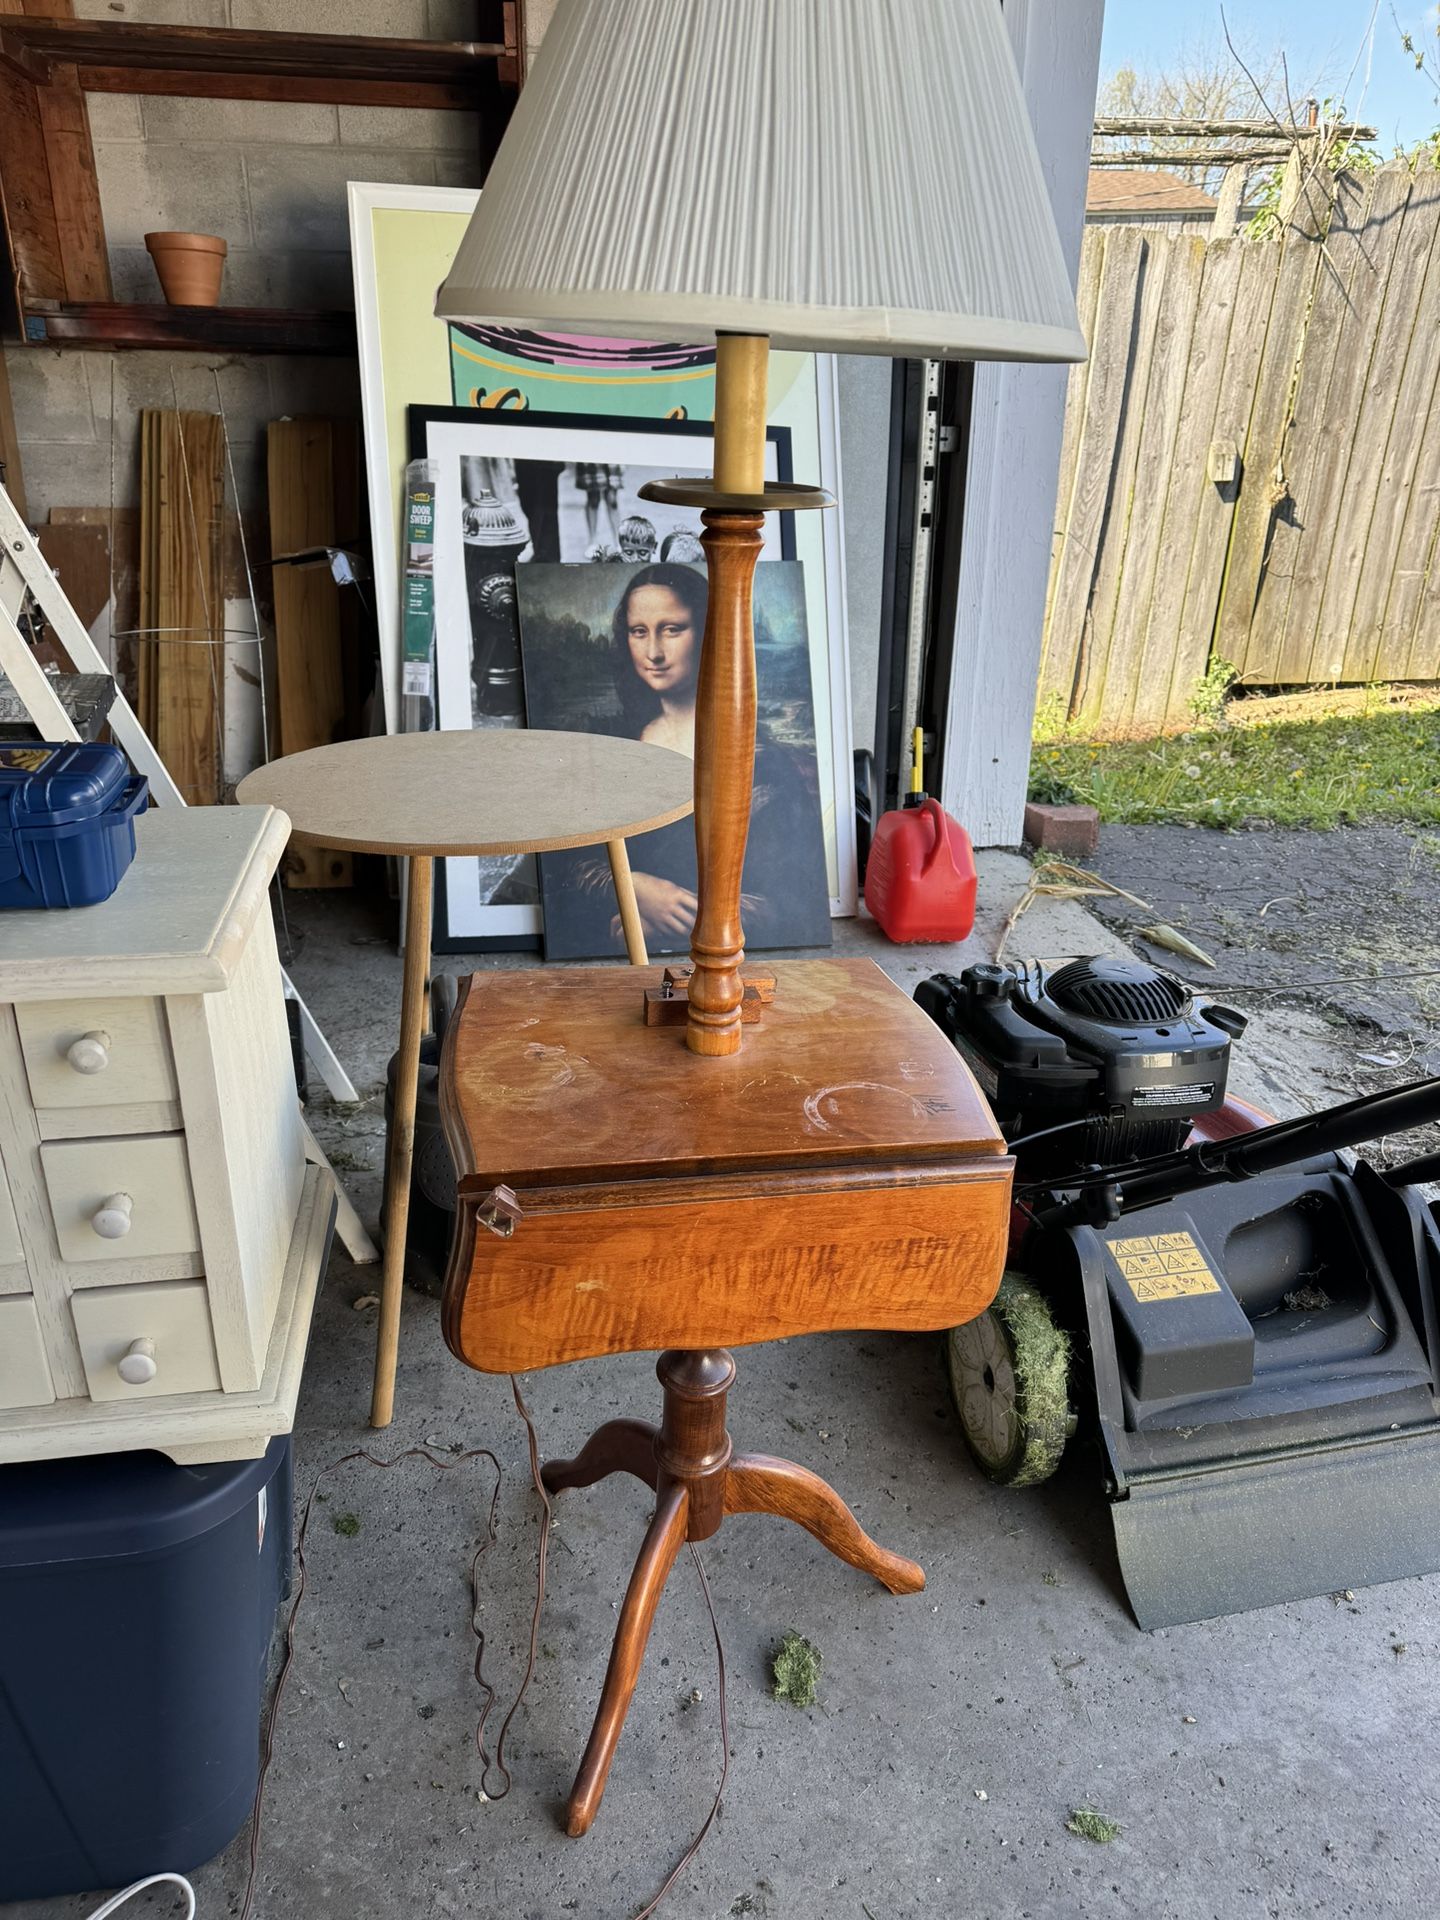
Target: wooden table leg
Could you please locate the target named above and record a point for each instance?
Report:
(699, 1481)
(620, 1446)
(663, 1542)
(629, 909)
(402, 1132)
(756, 1483)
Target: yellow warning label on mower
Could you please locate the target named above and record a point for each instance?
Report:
(1163, 1266)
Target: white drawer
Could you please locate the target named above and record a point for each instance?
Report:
(90, 1182)
(12, 1250)
(89, 1055)
(24, 1371)
(162, 1325)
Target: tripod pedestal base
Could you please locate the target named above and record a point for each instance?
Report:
(698, 1480)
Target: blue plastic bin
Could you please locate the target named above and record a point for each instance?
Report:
(138, 1601)
(67, 822)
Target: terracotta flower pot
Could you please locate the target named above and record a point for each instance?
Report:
(189, 266)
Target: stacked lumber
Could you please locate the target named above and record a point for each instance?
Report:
(179, 664)
(312, 474)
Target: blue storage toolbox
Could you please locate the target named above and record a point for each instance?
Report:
(67, 822)
(138, 1601)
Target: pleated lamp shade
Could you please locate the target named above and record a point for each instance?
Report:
(855, 176)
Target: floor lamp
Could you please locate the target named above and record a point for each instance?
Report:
(831, 175)
(850, 176)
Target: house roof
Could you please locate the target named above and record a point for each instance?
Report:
(1143, 190)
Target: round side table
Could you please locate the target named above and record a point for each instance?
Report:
(427, 796)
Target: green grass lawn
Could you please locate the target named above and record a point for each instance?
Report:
(1377, 762)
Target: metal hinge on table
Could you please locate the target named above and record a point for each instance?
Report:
(499, 1211)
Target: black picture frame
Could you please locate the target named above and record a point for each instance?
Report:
(420, 420)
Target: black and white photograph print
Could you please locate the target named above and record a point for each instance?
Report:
(615, 648)
(514, 490)
(524, 511)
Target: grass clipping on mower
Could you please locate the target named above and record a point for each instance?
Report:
(1042, 1357)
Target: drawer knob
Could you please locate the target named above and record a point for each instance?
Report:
(111, 1220)
(137, 1364)
(90, 1053)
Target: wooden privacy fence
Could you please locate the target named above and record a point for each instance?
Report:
(1250, 470)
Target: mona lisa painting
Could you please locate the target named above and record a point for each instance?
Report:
(612, 648)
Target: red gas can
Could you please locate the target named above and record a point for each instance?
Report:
(920, 877)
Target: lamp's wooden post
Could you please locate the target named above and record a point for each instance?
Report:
(742, 365)
(724, 773)
(725, 702)
(733, 506)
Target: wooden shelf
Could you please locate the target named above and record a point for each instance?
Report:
(226, 62)
(100, 323)
(55, 285)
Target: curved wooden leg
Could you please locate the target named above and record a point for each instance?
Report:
(620, 1446)
(756, 1483)
(663, 1542)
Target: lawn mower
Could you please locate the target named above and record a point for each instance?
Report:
(1245, 1321)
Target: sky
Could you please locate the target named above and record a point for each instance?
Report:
(1320, 38)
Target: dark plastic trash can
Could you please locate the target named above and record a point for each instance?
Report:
(138, 1601)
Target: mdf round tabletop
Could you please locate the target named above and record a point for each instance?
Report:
(497, 790)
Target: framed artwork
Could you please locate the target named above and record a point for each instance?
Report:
(403, 239)
(513, 367)
(616, 649)
(510, 489)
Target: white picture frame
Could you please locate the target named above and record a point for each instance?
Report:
(383, 413)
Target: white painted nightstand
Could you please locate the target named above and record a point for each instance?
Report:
(161, 1234)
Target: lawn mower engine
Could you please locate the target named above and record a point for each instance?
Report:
(1249, 1320)
(1092, 1063)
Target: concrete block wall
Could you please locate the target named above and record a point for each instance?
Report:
(77, 415)
(270, 177)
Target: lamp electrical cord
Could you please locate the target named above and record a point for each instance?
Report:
(489, 1763)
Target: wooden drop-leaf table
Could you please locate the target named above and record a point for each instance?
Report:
(619, 1193)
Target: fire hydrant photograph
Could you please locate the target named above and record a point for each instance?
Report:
(719, 959)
